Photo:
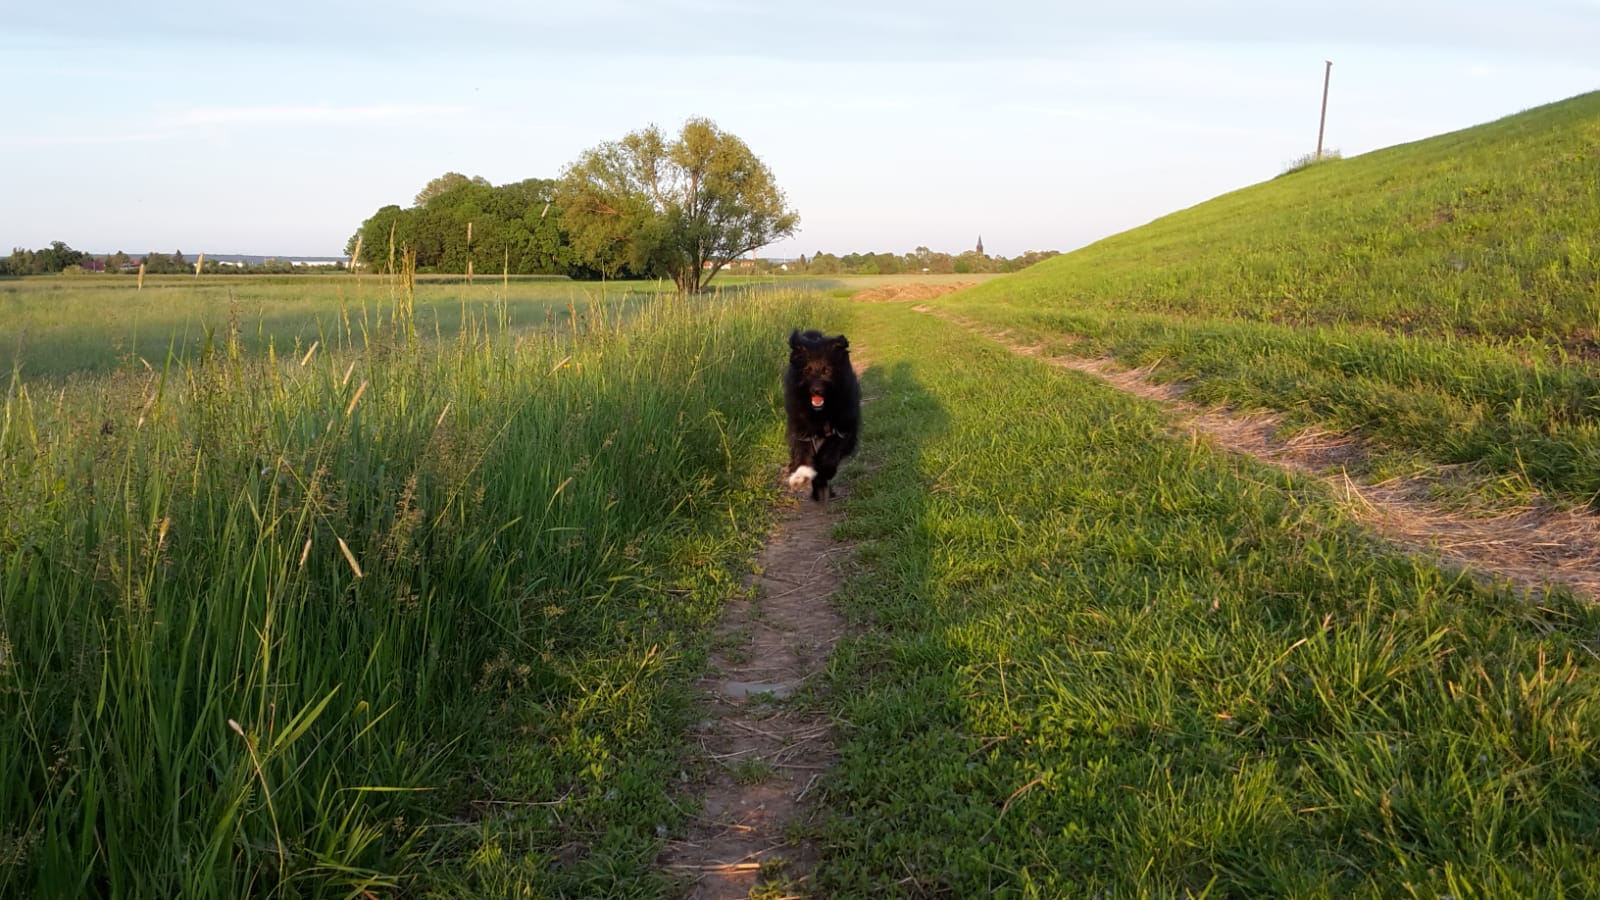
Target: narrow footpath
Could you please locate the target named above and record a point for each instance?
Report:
(765, 753)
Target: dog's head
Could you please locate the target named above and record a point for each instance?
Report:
(814, 359)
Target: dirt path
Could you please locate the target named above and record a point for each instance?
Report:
(1532, 547)
(765, 755)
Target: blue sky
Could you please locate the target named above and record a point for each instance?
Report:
(277, 128)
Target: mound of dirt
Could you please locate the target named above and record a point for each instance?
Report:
(916, 291)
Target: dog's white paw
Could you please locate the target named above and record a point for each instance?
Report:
(800, 477)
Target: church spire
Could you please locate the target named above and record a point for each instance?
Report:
(980, 245)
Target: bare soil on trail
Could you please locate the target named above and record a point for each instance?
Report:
(764, 753)
(913, 291)
(1531, 547)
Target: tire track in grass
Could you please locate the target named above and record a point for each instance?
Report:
(764, 754)
(1533, 547)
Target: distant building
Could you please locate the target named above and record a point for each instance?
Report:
(980, 245)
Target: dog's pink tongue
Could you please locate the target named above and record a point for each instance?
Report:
(816, 401)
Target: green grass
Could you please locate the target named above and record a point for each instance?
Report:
(55, 327)
(52, 327)
(1094, 659)
(419, 612)
(1512, 411)
(1487, 231)
(1439, 299)
(417, 616)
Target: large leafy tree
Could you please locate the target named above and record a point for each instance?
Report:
(513, 226)
(446, 182)
(683, 207)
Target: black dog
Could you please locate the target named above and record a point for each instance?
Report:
(823, 400)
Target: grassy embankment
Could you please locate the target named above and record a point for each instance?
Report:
(1094, 658)
(397, 613)
(1441, 298)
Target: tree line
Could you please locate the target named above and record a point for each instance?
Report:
(919, 261)
(55, 258)
(456, 221)
(59, 258)
(650, 205)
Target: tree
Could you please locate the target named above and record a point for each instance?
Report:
(56, 258)
(162, 264)
(514, 226)
(683, 208)
(377, 250)
(444, 183)
(20, 262)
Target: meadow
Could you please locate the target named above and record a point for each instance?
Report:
(1483, 233)
(91, 325)
(57, 327)
(1093, 656)
(366, 591)
(1438, 299)
(330, 622)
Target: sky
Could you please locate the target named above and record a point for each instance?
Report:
(890, 124)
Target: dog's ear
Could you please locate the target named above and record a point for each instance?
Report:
(794, 339)
(841, 343)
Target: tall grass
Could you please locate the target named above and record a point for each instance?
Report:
(55, 328)
(264, 620)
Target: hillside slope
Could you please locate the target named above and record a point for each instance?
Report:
(1490, 231)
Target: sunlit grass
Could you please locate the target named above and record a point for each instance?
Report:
(348, 620)
(1487, 232)
(1440, 299)
(52, 327)
(1094, 658)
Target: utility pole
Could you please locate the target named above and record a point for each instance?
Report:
(1327, 73)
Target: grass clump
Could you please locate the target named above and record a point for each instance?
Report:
(1301, 163)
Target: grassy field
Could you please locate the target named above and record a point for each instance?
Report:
(365, 593)
(1439, 298)
(53, 327)
(1486, 232)
(1093, 658)
(56, 327)
(415, 615)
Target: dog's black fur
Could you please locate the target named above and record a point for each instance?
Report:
(821, 434)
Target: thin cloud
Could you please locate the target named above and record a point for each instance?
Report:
(186, 123)
(69, 140)
(202, 117)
